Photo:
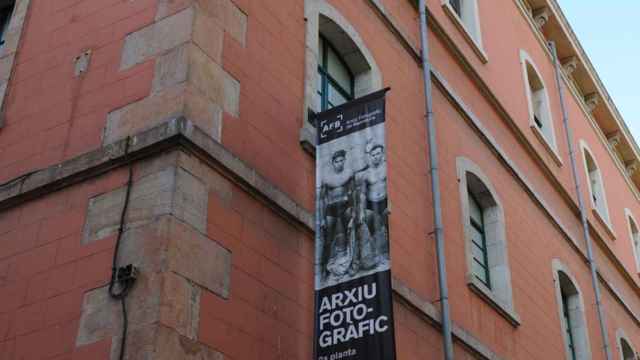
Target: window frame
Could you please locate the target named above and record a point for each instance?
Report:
(546, 137)
(15, 14)
(479, 227)
(468, 22)
(566, 315)
(457, 6)
(635, 247)
(500, 294)
(327, 79)
(577, 327)
(620, 337)
(601, 212)
(322, 18)
(6, 13)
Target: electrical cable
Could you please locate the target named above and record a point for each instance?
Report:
(124, 276)
(125, 327)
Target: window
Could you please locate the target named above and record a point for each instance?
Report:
(625, 348)
(339, 67)
(538, 102)
(596, 187)
(536, 89)
(488, 273)
(634, 236)
(480, 267)
(465, 12)
(5, 17)
(455, 4)
(566, 295)
(335, 81)
(626, 351)
(12, 17)
(571, 312)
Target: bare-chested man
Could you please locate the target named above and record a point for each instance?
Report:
(372, 183)
(336, 191)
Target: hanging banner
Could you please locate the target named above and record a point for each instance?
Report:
(353, 304)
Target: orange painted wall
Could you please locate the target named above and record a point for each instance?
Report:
(52, 116)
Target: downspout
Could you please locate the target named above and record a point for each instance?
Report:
(435, 187)
(583, 216)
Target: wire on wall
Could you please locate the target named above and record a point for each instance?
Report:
(123, 278)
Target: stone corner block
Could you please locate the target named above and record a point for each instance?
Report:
(98, 320)
(150, 197)
(199, 259)
(208, 35)
(171, 68)
(231, 95)
(170, 345)
(204, 113)
(206, 75)
(101, 315)
(215, 181)
(157, 38)
(144, 114)
(161, 343)
(235, 22)
(180, 305)
(170, 191)
(190, 200)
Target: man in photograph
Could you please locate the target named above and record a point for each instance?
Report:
(372, 184)
(336, 206)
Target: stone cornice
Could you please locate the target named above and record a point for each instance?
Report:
(595, 78)
(174, 133)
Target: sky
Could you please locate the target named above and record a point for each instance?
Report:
(609, 31)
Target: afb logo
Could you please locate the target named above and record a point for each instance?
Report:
(329, 126)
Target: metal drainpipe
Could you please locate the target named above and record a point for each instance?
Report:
(435, 187)
(583, 216)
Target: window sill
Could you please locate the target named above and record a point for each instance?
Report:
(550, 149)
(604, 223)
(475, 46)
(307, 138)
(487, 295)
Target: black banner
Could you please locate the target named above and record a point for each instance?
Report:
(353, 304)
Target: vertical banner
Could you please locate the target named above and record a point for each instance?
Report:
(353, 304)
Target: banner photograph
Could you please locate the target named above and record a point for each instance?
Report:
(354, 317)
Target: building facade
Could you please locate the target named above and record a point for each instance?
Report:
(176, 136)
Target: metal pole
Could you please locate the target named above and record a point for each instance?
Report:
(435, 187)
(583, 216)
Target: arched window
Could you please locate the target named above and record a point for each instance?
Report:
(467, 13)
(626, 351)
(571, 311)
(625, 348)
(6, 10)
(335, 80)
(480, 256)
(538, 100)
(339, 66)
(634, 236)
(488, 271)
(596, 186)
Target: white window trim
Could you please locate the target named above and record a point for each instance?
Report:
(474, 40)
(10, 48)
(365, 82)
(502, 303)
(584, 352)
(620, 335)
(548, 141)
(629, 216)
(605, 218)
